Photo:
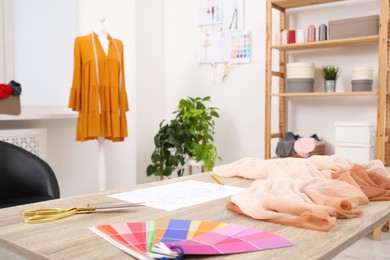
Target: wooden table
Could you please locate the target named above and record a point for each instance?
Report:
(70, 238)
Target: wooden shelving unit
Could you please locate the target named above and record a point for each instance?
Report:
(383, 100)
(325, 94)
(287, 4)
(329, 43)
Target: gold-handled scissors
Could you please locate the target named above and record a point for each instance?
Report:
(43, 215)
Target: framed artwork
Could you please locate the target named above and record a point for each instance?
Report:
(210, 12)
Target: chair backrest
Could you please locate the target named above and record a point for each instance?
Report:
(24, 177)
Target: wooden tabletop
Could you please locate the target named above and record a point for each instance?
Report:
(70, 238)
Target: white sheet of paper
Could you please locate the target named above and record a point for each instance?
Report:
(178, 195)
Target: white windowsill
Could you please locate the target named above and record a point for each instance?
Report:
(41, 113)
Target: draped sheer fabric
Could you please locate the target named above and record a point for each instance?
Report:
(308, 193)
(105, 117)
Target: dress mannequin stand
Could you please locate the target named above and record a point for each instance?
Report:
(102, 33)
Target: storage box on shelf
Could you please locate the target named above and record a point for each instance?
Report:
(355, 141)
(354, 27)
(362, 78)
(355, 152)
(300, 77)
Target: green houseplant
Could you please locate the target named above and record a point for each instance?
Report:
(171, 146)
(330, 73)
(199, 119)
(188, 135)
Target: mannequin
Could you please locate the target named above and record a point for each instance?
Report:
(102, 33)
(102, 108)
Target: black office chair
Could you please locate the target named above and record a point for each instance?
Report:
(24, 177)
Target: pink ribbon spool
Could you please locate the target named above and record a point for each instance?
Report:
(311, 33)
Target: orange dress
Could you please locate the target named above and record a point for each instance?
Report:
(100, 98)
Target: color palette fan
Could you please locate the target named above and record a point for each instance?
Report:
(194, 237)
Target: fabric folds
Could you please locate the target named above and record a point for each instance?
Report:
(308, 193)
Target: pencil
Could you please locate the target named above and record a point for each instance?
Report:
(216, 178)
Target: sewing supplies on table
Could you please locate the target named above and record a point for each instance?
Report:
(43, 215)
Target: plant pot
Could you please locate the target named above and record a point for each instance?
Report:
(330, 85)
(193, 162)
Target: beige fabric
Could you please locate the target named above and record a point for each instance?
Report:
(295, 191)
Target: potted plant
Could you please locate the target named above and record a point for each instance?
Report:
(199, 119)
(330, 73)
(171, 146)
(188, 135)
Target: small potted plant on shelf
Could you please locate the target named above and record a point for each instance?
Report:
(330, 73)
(188, 136)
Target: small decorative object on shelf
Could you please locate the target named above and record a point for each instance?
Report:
(322, 32)
(291, 36)
(284, 37)
(300, 36)
(311, 33)
(330, 74)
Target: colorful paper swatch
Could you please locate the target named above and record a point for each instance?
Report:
(194, 237)
(240, 47)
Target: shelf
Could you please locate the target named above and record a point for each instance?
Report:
(356, 41)
(286, 4)
(276, 113)
(325, 94)
(41, 113)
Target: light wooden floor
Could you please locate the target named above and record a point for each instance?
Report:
(364, 249)
(367, 249)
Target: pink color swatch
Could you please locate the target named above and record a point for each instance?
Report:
(194, 237)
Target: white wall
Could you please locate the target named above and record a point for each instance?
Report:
(6, 41)
(161, 68)
(2, 44)
(44, 40)
(43, 45)
(240, 128)
(150, 80)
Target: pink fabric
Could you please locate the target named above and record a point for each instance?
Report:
(304, 145)
(295, 191)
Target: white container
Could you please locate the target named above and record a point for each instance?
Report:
(299, 85)
(356, 153)
(300, 36)
(360, 73)
(360, 133)
(300, 70)
(362, 85)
